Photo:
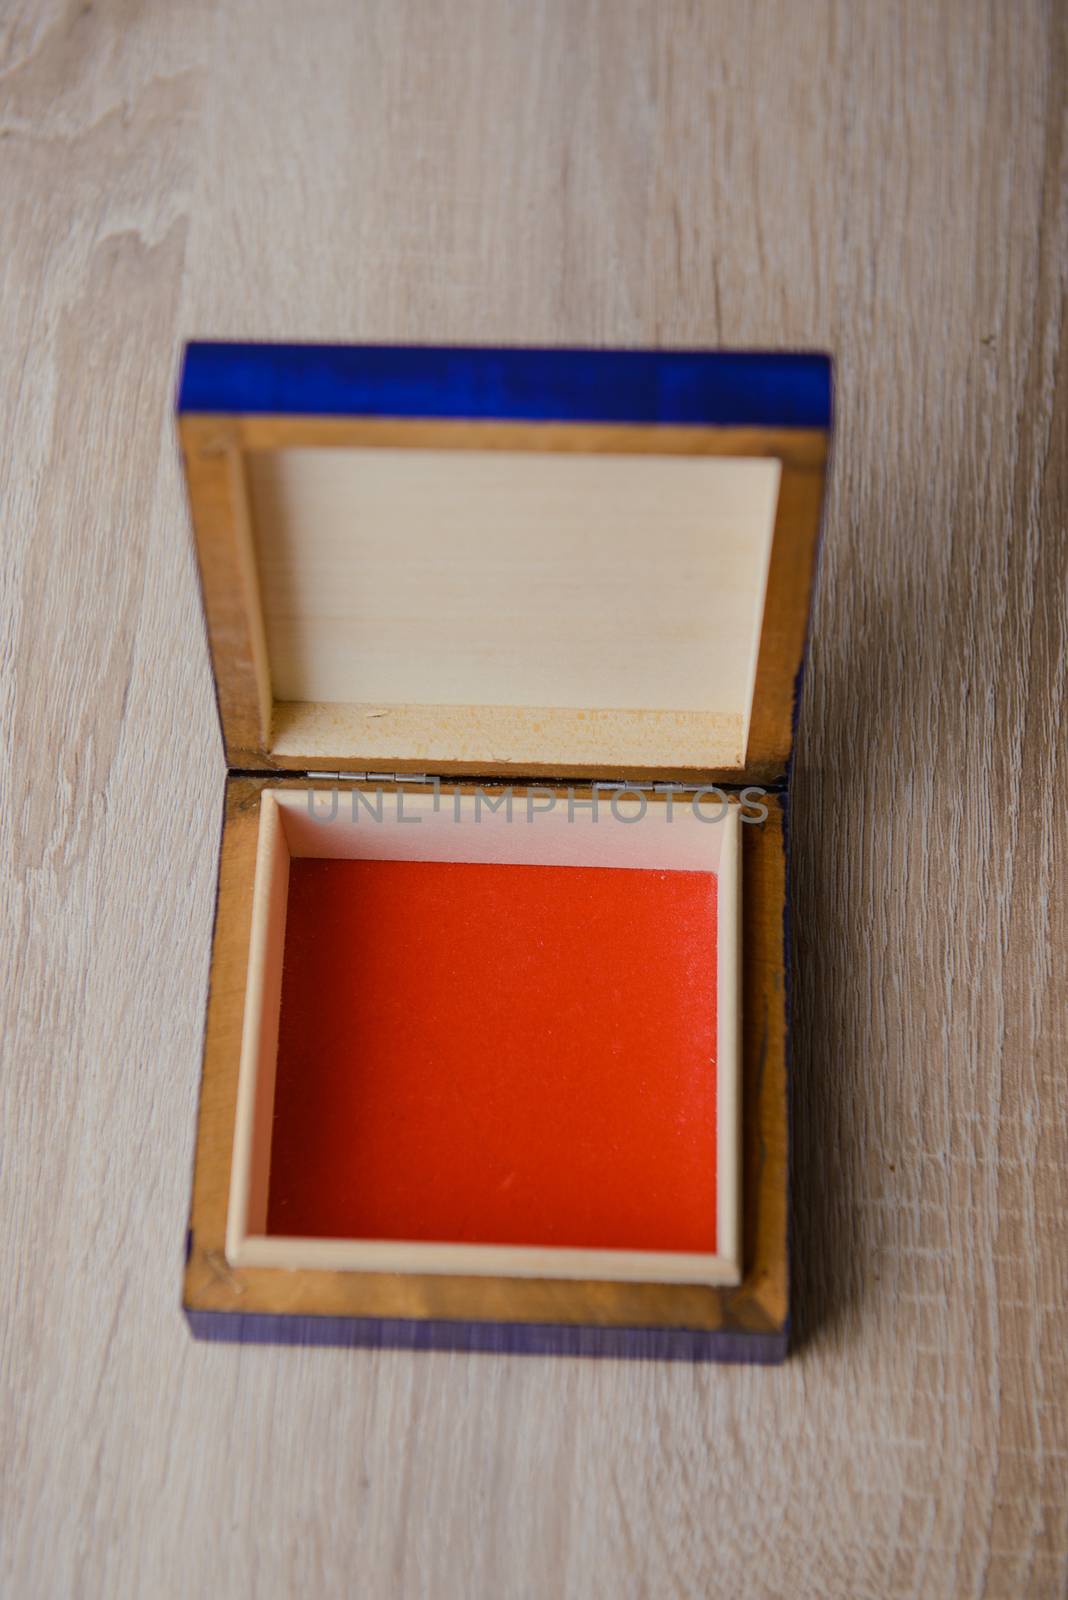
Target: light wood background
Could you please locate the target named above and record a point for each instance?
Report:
(886, 181)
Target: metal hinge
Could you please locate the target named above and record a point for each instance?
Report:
(638, 786)
(498, 781)
(372, 777)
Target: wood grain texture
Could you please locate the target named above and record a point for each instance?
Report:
(890, 183)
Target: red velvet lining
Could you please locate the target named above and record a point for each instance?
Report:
(497, 1055)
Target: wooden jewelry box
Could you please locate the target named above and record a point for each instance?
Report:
(507, 644)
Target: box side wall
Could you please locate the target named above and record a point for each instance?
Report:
(759, 1305)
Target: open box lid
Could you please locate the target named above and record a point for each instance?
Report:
(533, 563)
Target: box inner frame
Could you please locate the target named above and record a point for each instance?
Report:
(648, 833)
(582, 608)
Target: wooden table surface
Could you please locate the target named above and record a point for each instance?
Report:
(886, 182)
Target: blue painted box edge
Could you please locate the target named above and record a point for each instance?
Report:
(491, 1338)
(696, 388)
